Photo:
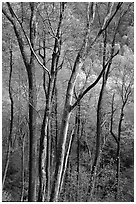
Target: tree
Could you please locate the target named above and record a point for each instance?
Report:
(81, 56)
(30, 67)
(100, 111)
(45, 141)
(125, 90)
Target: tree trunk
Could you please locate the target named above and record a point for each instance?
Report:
(56, 121)
(60, 156)
(118, 171)
(98, 125)
(78, 150)
(32, 135)
(44, 158)
(48, 162)
(98, 142)
(32, 111)
(118, 136)
(118, 154)
(11, 120)
(45, 140)
(67, 157)
(99, 112)
(23, 168)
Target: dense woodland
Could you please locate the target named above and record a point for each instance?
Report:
(67, 116)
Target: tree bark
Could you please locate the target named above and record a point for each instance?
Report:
(23, 168)
(72, 135)
(32, 135)
(11, 120)
(32, 111)
(78, 150)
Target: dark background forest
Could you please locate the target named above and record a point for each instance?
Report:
(68, 101)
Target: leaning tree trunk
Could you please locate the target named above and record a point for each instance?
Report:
(72, 135)
(11, 120)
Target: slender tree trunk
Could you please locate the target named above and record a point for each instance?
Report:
(11, 121)
(98, 143)
(32, 136)
(60, 157)
(70, 194)
(45, 140)
(72, 135)
(6, 165)
(117, 136)
(118, 154)
(100, 114)
(23, 168)
(98, 135)
(32, 110)
(118, 171)
(66, 184)
(43, 152)
(78, 150)
(48, 162)
(56, 121)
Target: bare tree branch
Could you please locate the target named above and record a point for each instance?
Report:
(94, 83)
(27, 38)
